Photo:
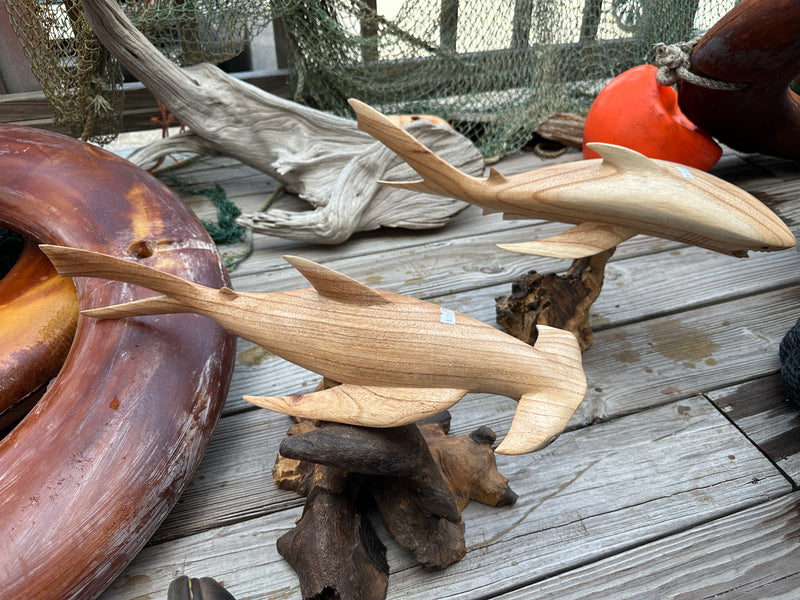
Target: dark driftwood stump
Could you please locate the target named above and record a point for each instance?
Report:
(342, 467)
(561, 301)
(333, 547)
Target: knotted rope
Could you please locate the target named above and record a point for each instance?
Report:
(789, 354)
(674, 63)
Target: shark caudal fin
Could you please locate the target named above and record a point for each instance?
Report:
(74, 262)
(438, 176)
(160, 305)
(543, 414)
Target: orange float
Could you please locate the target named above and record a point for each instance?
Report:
(635, 111)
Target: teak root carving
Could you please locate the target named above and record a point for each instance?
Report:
(417, 476)
(561, 301)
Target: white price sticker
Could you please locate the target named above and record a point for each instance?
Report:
(447, 316)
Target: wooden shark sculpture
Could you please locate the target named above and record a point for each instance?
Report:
(399, 359)
(609, 200)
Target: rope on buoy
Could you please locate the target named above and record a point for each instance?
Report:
(789, 354)
(673, 62)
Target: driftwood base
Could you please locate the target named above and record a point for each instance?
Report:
(334, 548)
(561, 301)
(416, 476)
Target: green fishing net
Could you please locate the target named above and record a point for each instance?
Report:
(83, 82)
(495, 69)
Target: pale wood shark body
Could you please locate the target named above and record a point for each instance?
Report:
(399, 359)
(609, 200)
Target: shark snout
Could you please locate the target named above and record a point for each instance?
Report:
(778, 238)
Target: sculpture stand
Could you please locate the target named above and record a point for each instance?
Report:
(417, 476)
(561, 301)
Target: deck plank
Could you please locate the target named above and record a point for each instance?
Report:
(593, 492)
(749, 555)
(759, 408)
(692, 352)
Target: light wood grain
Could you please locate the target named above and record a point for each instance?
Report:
(229, 519)
(617, 387)
(398, 359)
(637, 365)
(322, 157)
(609, 199)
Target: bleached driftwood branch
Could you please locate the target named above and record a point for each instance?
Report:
(322, 158)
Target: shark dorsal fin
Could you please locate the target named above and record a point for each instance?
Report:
(496, 177)
(334, 285)
(624, 158)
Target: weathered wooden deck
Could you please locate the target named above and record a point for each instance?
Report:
(678, 475)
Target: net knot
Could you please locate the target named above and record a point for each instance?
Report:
(674, 63)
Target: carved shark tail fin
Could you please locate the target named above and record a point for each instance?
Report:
(160, 305)
(439, 177)
(74, 262)
(542, 415)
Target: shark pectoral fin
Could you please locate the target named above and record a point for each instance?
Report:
(159, 305)
(368, 406)
(580, 241)
(543, 414)
(334, 285)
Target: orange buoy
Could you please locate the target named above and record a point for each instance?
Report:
(635, 111)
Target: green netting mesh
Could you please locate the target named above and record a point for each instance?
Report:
(78, 77)
(494, 68)
(83, 83)
(194, 31)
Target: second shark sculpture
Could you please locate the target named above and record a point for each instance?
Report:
(398, 359)
(609, 200)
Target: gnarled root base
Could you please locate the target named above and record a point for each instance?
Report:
(561, 301)
(334, 548)
(417, 476)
